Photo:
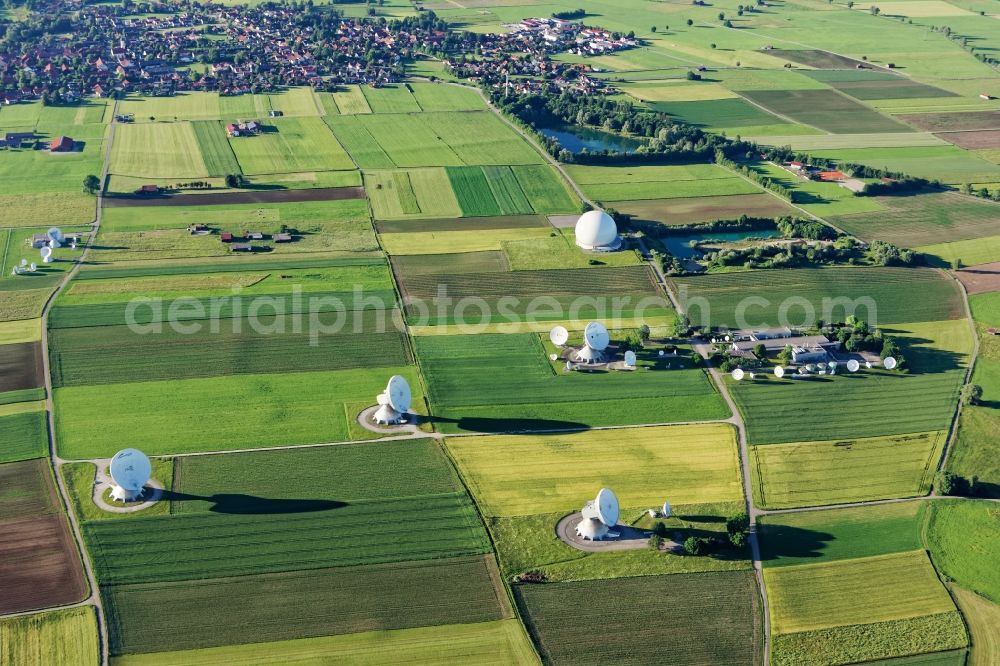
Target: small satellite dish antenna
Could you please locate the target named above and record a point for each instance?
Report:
(630, 359)
(738, 374)
(16, 271)
(803, 371)
(33, 267)
(811, 368)
(889, 363)
(553, 357)
(130, 470)
(569, 365)
(779, 372)
(832, 365)
(662, 353)
(608, 510)
(853, 366)
(667, 511)
(752, 376)
(558, 336)
(597, 336)
(728, 338)
(24, 262)
(46, 253)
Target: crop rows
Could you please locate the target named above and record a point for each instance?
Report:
(573, 622)
(299, 604)
(215, 148)
(284, 535)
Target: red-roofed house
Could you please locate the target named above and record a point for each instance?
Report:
(61, 144)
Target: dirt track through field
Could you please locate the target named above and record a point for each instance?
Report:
(233, 198)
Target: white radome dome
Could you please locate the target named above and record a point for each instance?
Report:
(596, 230)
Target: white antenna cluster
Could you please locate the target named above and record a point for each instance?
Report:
(595, 341)
(395, 402)
(599, 516)
(130, 470)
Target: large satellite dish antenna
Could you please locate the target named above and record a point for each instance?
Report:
(667, 511)
(130, 470)
(558, 336)
(630, 359)
(889, 363)
(55, 235)
(853, 365)
(597, 336)
(607, 507)
(779, 372)
(394, 402)
(46, 253)
(738, 374)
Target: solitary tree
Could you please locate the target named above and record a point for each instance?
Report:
(653, 29)
(972, 394)
(232, 180)
(690, 22)
(760, 351)
(947, 483)
(91, 184)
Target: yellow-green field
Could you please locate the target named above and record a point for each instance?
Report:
(157, 150)
(433, 242)
(983, 619)
(839, 471)
(66, 637)
(513, 475)
(498, 642)
(24, 330)
(850, 592)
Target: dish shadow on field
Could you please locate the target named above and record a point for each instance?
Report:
(508, 426)
(782, 541)
(238, 503)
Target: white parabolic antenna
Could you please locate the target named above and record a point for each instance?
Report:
(607, 507)
(596, 336)
(667, 511)
(853, 366)
(46, 253)
(33, 267)
(558, 336)
(889, 363)
(130, 470)
(630, 358)
(738, 374)
(399, 394)
(24, 262)
(55, 234)
(779, 372)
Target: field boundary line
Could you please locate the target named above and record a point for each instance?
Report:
(779, 115)
(55, 462)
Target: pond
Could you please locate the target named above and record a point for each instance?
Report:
(575, 138)
(679, 244)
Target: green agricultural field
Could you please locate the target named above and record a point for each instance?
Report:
(817, 197)
(302, 604)
(949, 164)
(481, 138)
(976, 451)
(558, 251)
(846, 470)
(719, 113)
(66, 637)
(825, 109)
(359, 142)
(571, 622)
(158, 150)
(840, 534)
(215, 148)
(488, 191)
(982, 618)
(568, 293)
(25, 434)
(546, 191)
(408, 140)
(693, 464)
(962, 537)
(968, 252)
(390, 99)
(818, 615)
(261, 344)
(440, 97)
(924, 219)
(183, 106)
(300, 408)
(898, 295)
(411, 193)
(291, 145)
(504, 383)
(703, 209)
(496, 642)
(79, 479)
(25, 330)
(658, 182)
(350, 100)
(432, 242)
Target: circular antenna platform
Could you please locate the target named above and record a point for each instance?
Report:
(399, 393)
(630, 359)
(889, 363)
(558, 336)
(607, 506)
(738, 374)
(130, 470)
(596, 336)
(853, 366)
(779, 372)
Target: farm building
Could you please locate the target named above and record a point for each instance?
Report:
(16, 139)
(282, 238)
(226, 237)
(148, 189)
(253, 235)
(61, 144)
(39, 240)
(241, 247)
